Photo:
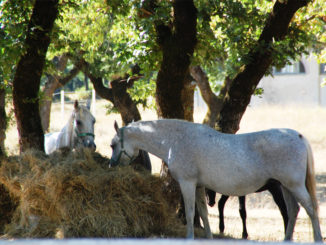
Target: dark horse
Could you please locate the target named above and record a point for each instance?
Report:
(143, 161)
(272, 186)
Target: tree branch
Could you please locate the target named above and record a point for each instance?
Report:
(101, 90)
(213, 102)
(260, 58)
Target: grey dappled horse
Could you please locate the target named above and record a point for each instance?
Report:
(235, 165)
(77, 133)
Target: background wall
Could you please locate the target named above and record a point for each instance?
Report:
(293, 88)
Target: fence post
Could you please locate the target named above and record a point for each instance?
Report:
(62, 99)
(93, 109)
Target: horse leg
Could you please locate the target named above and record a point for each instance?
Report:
(188, 190)
(221, 204)
(293, 209)
(304, 199)
(243, 215)
(202, 210)
(211, 197)
(276, 191)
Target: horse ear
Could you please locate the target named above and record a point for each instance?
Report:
(76, 104)
(116, 126)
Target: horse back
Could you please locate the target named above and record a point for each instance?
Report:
(276, 143)
(51, 142)
(252, 157)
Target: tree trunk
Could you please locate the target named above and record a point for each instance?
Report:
(187, 98)
(86, 83)
(177, 47)
(174, 91)
(117, 94)
(3, 121)
(120, 98)
(244, 84)
(214, 103)
(53, 83)
(123, 102)
(27, 78)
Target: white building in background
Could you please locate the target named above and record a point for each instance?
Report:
(299, 83)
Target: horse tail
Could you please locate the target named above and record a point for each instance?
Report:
(310, 175)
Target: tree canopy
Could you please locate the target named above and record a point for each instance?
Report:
(123, 34)
(112, 36)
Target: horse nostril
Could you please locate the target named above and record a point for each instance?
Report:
(90, 144)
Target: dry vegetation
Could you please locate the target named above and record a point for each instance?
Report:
(264, 220)
(76, 194)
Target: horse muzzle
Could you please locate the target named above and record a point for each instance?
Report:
(90, 144)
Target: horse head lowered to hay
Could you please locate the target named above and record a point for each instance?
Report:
(235, 165)
(77, 133)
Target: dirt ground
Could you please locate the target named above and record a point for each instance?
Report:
(264, 221)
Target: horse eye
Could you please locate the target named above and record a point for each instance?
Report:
(112, 146)
(78, 122)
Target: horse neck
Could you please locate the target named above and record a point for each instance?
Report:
(149, 138)
(67, 133)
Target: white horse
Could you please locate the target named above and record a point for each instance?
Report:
(77, 133)
(235, 165)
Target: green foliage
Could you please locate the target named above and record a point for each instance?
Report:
(227, 31)
(142, 90)
(117, 39)
(312, 21)
(113, 35)
(14, 17)
(110, 108)
(259, 91)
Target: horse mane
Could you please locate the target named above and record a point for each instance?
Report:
(67, 130)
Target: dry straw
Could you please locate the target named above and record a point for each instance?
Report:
(76, 194)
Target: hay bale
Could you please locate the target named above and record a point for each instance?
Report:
(76, 194)
(8, 205)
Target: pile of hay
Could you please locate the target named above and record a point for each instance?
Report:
(77, 195)
(8, 205)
